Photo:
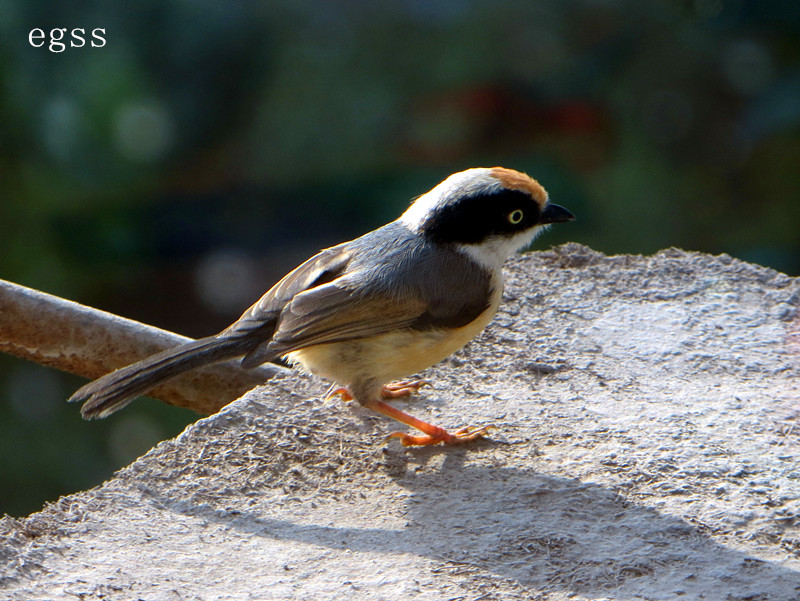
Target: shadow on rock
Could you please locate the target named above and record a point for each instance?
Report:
(544, 532)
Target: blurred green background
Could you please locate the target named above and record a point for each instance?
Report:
(175, 173)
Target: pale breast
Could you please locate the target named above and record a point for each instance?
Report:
(390, 356)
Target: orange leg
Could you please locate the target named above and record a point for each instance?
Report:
(394, 390)
(432, 434)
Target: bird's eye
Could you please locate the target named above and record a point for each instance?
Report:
(514, 217)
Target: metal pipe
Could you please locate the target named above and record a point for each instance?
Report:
(88, 342)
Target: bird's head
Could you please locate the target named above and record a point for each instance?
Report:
(488, 212)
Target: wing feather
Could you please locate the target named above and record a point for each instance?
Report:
(333, 312)
(412, 285)
(261, 318)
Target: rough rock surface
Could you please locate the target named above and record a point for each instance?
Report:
(646, 448)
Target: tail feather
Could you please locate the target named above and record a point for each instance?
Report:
(114, 391)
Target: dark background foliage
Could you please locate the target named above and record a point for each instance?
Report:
(175, 173)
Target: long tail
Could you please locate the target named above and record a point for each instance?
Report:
(114, 391)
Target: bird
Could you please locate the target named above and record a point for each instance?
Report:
(367, 313)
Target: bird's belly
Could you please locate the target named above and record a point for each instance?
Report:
(386, 357)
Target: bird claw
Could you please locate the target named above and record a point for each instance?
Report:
(432, 434)
(342, 392)
(460, 436)
(402, 389)
(389, 391)
(468, 433)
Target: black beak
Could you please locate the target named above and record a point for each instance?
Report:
(555, 214)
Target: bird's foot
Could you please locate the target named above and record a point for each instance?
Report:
(395, 390)
(342, 392)
(430, 434)
(402, 389)
(467, 434)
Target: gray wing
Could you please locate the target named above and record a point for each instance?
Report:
(260, 320)
(336, 311)
(325, 299)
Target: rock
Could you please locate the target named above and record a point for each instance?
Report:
(647, 447)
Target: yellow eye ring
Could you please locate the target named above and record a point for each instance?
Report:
(515, 217)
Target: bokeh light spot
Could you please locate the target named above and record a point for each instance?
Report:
(748, 66)
(225, 280)
(144, 131)
(61, 127)
(132, 436)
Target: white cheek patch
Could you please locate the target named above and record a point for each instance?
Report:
(493, 251)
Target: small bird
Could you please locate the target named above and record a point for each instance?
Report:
(382, 307)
